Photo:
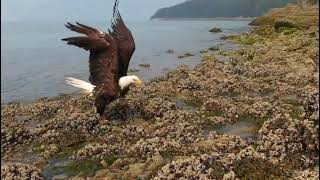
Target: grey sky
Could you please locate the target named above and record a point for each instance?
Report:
(72, 10)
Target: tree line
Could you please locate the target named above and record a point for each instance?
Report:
(224, 8)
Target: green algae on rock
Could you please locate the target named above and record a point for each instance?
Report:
(185, 55)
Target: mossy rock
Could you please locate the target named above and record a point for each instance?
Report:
(109, 161)
(245, 38)
(283, 25)
(215, 30)
(167, 155)
(262, 21)
(39, 148)
(287, 31)
(85, 168)
(264, 31)
(252, 168)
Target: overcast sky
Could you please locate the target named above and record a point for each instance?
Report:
(72, 10)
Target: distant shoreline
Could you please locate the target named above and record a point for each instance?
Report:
(204, 19)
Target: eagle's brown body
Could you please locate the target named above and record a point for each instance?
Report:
(109, 58)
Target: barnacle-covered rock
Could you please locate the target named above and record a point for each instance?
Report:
(20, 171)
(203, 167)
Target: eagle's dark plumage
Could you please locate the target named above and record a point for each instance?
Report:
(124, 40)
(109, 58)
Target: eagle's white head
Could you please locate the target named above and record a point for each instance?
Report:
(87, 87)
(126, 81)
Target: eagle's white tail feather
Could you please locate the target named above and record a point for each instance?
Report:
(85, 86)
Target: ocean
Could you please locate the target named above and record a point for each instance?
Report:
(34, 60)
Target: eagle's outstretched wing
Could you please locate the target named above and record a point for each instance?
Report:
(124, 39)
(93, 41)
(103, 61)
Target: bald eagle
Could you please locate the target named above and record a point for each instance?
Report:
(110, 54)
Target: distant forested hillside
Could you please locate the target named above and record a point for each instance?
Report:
(219, 8)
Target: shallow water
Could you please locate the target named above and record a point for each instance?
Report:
(59, 165)
(34, 61)
(245, 127)
(240, 128)
(21, 154)
(187, 106)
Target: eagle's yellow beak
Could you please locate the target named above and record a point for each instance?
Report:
(138, 83)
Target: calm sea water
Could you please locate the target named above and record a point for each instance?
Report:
(34, 61)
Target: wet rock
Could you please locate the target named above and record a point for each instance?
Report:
(204, 51)
(215, 30)
(170, 51)
(133, 70)
(214, 48)
(185, 55)
(145, 65)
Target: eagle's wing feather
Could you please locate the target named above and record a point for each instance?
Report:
(103, 63)
(83, 29)
(123, 38)
(93, 40)
(88, 43)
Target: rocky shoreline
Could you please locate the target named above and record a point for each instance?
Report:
(185, 125)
